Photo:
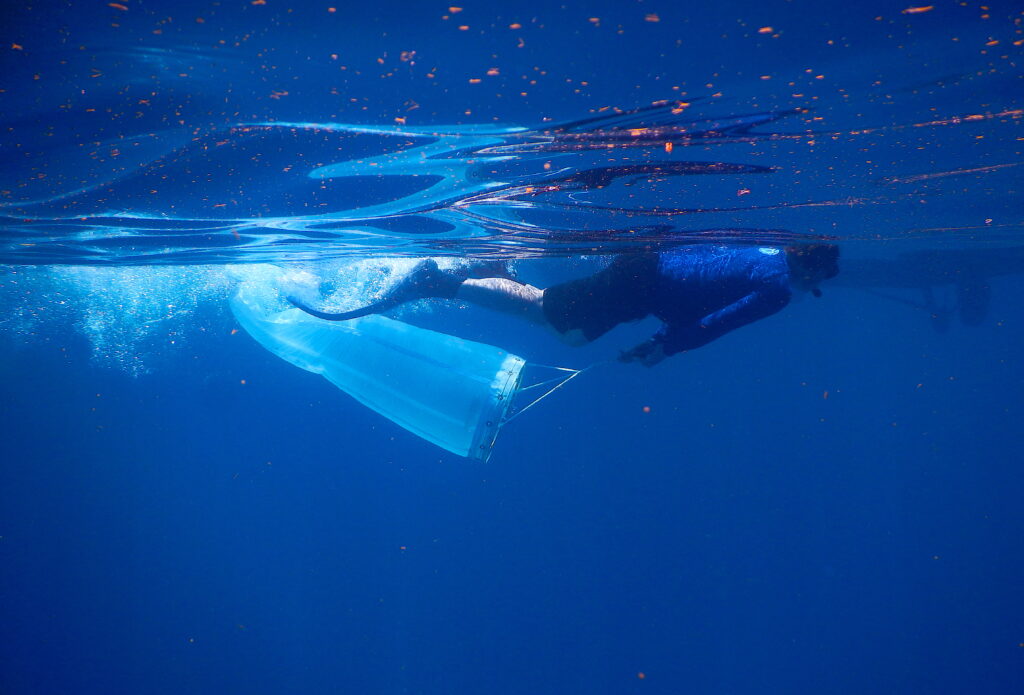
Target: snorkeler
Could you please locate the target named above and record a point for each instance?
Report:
(699, 293)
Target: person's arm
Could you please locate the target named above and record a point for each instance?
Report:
(673, 338)
(753, 307)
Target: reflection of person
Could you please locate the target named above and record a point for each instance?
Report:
(700, 293)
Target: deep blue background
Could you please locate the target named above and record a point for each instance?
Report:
(183, 532)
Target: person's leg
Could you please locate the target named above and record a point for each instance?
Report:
(427, 280)
(506, 296)
(578, 311)
(516, 299)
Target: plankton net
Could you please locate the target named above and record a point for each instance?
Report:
(452, 392)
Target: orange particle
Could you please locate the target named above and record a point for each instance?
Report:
(332, 9)
(117, 6)
(766, 77)
(646, 409)
(517, 25)
(641, 675)
(825, 395)
(242, 382)
(234, 330)
(547, 165)
(400, 120)
(474, 80)
(651, 17)
(992, 43)
(668, 146)
(595, 20)
(493, 71)
(453, 10)
(16, 47)
(259, 2)
(743, 191)
(464, 27)
(765, 30)
(919, 10)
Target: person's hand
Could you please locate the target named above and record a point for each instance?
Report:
(647, 353)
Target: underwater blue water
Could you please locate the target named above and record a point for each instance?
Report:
(825, 501)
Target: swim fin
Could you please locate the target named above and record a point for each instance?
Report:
(423, 281)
